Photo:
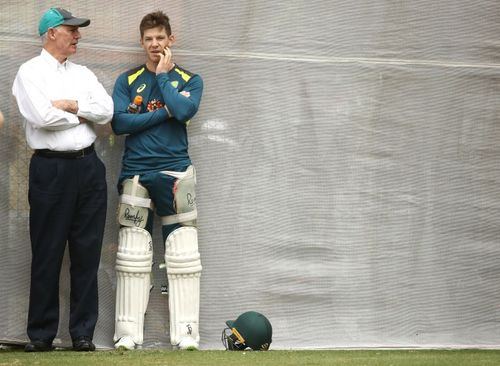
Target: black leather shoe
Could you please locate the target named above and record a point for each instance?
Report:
(38, 346)
(83, 344)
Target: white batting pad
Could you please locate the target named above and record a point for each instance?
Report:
(184, 270)
(184, 198)
(133, 271)
(133, 210)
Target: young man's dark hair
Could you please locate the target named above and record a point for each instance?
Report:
(153, 20)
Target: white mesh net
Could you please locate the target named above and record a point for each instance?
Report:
(348, 167)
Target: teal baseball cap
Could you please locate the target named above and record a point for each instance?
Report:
(55, 17)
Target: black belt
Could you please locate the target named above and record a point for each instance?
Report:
(73, 154)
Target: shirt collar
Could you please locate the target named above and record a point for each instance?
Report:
(52, 61)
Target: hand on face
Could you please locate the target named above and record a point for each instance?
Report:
(165, 64)
(156, 42)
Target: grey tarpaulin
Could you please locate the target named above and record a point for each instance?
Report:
(348, 167)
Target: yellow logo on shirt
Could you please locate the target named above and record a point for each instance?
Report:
(175, 83)
(141, 88)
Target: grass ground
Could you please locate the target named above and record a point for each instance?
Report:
(271, 358)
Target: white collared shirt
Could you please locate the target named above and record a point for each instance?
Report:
(43, 79)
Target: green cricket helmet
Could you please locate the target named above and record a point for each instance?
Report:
(250, 330)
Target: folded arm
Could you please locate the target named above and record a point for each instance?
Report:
(181, 105)
(130, 123)
(42, 112)
(36, 107)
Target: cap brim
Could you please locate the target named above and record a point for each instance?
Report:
(79, 22)
(230, 323)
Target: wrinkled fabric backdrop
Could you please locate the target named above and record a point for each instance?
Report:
(348, 166)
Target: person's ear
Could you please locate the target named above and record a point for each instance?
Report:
(51, 33)
(171, 40)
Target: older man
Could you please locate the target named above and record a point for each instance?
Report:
(60, 101)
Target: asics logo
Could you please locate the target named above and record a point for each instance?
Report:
(141, 88)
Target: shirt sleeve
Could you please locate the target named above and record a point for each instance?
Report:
(35, 105)
(131, 123)
(181, 108)
(96, 106)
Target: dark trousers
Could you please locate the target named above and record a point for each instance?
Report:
(67, 200)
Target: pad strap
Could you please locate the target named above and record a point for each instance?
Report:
(136, 201)
(133, 199)
(181, 217)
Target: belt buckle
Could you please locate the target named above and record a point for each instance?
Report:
(80, 154)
